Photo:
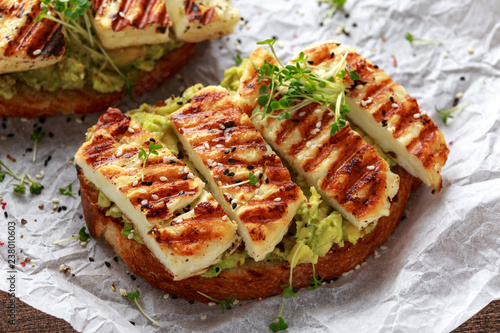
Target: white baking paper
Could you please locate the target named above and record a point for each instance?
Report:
(440, 267)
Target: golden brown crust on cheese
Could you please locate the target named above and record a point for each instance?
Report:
(253, 279)
(29, 103)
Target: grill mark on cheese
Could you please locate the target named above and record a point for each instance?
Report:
(45, 35)
(136, 13)
(197, 12)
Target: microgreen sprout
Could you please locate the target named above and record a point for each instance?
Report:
(36, 135)
(35, 188)
(227, 303)
(74, 16)
(448, 113)
(134, 296)
(409, 37)
(289, 289)
(152, 149)
(2, 176)
(252, 180)
(237, 59)
(82, 236)
(67, 191)
(292, 87)
(280, 325)
(315, 281)
(336, 4)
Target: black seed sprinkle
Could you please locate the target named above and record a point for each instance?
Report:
(250, 167)
(267, 180)
(144, 183)
(10, 135)
(185, 177)
(152, 139)
(295, 289)
(462, 78)
(91, 259)
(231, 174)
(108, 264)
(179, 103)
(191, 301)
(172, 161)
(230, 160)
(47, 160)
(227, 151)
(150, 183)
(295, 120)
(354, 24)
(310, 62)
(41, 119)
(115, 259)
(392, 99)
(260, 175)
(64, 207)
(133, 323)
(332, 55)
(226, 171)
(234, 205)
(133, 277)
(51, 135)
(59, 209)
(232, 150)
(384, 123)
(122, 224)
(383, 112)
(181, 192)
(174, 297)
(238, 181)
(375, 66)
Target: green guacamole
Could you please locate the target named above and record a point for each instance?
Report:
(85, 66)
(317, 226)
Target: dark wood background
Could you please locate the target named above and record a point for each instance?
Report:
(29, 319)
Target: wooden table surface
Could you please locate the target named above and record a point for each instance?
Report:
(30, 319)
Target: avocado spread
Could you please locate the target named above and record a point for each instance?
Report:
(317, 226)
(83, 66)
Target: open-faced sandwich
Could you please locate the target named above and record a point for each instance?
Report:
(284, 174)
(83, 56)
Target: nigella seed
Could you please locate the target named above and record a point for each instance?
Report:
(185, 177)
(230, 160)
(232, 150)
(107, 264)
(172, 162)
(115, 259)
(179, 103)
(144, 183)
(383, 112)
(234, 205)
(260, 175)
(132, 322)
(237, 181)
(227, 151)
(267, 180)
(152, 139)
(332, 55)
(231, 174)
(295, 120)
(91, 259)
(310, 62)
(250, 167)
(133, 277)
(181, 192)
(226, 171)
(392, 99)
(384, 123)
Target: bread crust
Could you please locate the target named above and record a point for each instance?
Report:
(29, 103)
(253, 279)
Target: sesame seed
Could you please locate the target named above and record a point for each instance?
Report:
(142, 190)
(144, 202)
(115, 209)
(179, 220)
(191, 175)
(154, 196)
(130, 236)
(166, 296)
(131, 130)
(383, 247)
(376, 254)
(224, 218)
(62, 267)
(417, 115)
(135, 182)
(165, 159)
(203, 317)
(395, 105)
(459, 95)
(121, 14)
(37, 52)
(357, 266)
(212, 304)
(302, 114)
(222, 127)
(55, 200)
(186, 169)
(318, 124)
(118, 154)
(308, 144)
(163, 178)
(370, 167)
(359, 86)
(123, 292)
(206, 145)
(445, 54)
(277, 199)
(470, 50)
(236, 301)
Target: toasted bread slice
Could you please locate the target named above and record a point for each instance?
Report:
(225, 147)
(125, 23)
(196, 21)
(25, 44)
(385, 111)
(348, 172)
(150, 191)
(29, 103)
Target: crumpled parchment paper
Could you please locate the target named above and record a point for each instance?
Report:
(439, 268)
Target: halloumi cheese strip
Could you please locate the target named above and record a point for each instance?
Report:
(385, 111)
(110, 161)
(348, 172)
(196, 21)
(25, 44)
(225, 147)
(124, 23)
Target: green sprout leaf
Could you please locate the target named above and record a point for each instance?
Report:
(224, 304)
(134, 296)
(35, 188)
(448, 112)
(83, 235)
(67, 191)
(19, 188)
(280, 325)
(409, 37)
(314, 282)
(152, 149)
(336, 4)
(2, 176)
(253, 180)
(237, 59)
(353, 75)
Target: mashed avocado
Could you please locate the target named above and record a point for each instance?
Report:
(84, 66)
(228, 261)
(232, 76)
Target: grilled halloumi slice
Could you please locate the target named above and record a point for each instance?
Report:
(24, 44)
(124, 23)
(110, 161)
(348, 172)
(196, 21)
(384, 110)
(225, 147)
